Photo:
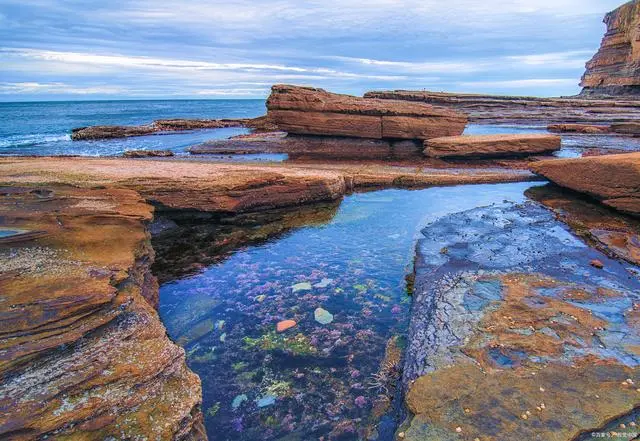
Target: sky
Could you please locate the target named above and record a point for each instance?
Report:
(161, 49)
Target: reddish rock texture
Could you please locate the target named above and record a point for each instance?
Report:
(578, 128)
(493, 109)
(615, 68)
(83, 354)
(612, 179)
(310, 146)
(310, 111)
(491, 145)
(166, 125)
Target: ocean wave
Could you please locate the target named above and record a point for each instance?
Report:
(32, 140)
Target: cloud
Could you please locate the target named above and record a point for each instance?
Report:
(159, 48)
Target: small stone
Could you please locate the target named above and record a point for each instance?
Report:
(524, 416)
(323, 283)
(304, 286)
(266, 401)
(261, 298)
(542, 389)
(622, 426)
(542, 406)
(401, 435)
(632, 424)
(285, 324)
(596, 264)
(223, 337)
(629, 381)
(459, 429)
(238, 400)
(323, 316)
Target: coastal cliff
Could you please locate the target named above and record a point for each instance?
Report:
(615, 68)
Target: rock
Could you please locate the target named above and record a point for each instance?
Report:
(310, 146)
(165, 125)
(323, 316)
(285, 324)
(265, 401)
(612, 179)
(491, 145)
(615, 68)
(147, 153)
(84, 353)
(578, 128)
(303, 286)
(596, 264)
(495, 109)
(489, 343)
(310, 111)
(627, 128)
(323, 283)
(238, 400)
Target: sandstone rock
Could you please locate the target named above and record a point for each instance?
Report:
(494, 109)
(147, 153)
(578, 128)
(310, 111)
(615, 68)
(310, 146)
(84, 354)
(612, 179)
(628, 128)
(166, 125)
(491, 145)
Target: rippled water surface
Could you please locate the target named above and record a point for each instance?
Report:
(44, 128)
(325, 377)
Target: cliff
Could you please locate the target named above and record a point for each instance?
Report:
(615, 68)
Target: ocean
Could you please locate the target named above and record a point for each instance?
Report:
(44, 128)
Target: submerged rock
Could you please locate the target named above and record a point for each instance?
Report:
(323, 316)
(147, 154)
(579, 128)
(302, 286)
(285, 324)
(310, 111)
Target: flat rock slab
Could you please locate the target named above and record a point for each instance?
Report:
(579, 128)
(612, 179)
(310, 111)
(491, 145)
(312, 146)
(514, 335)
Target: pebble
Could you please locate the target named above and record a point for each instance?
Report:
(285, 324)
(596, 264)
(304, 286)
(459, 429)
(323, 283)
(323, 316)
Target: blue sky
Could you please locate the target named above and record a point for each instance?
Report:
(70, 49)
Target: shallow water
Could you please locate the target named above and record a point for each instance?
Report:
(314, 379)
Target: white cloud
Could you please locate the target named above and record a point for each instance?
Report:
(58, 88)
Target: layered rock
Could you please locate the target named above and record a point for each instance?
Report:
(491, 145)
(628, 128)
(612, 179)
(311, 146)
(578, 128)
(166, 125)
(83, 353)
(496, 352)
(493, 109)
(615, 68)
(147, 154)
(310, 111)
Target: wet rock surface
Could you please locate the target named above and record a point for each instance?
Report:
(309, 146)
(148, 154)
(615, 68)
(491, 145)
(612, 179)
(513, 334)
(83, 353)
(310, 111)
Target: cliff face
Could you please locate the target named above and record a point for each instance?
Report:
(615, 68)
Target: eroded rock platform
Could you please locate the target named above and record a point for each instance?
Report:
(514, 334)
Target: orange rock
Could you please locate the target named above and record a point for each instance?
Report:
(491, 145)
(614, 69)
(310, 111)
(285, 324)
(596, 264)
(578, 128)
